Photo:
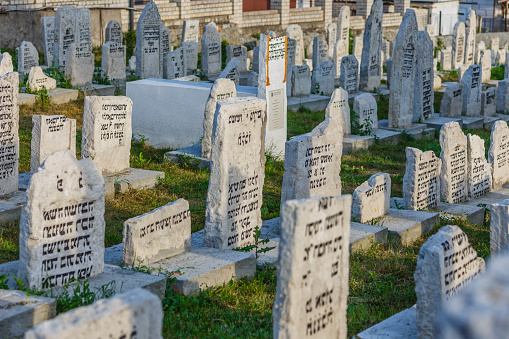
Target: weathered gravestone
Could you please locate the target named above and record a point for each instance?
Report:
(310, 50)
(295, 32)
(62, 225)
(503, 96)
(349, 75)
(79, 65)
(135, 314)
(37, 80)
(252, 80)
(421, 182)
(239, 53)
(65, 33)
(458, 45)
(114, 32)
(499, 234)
(489, 102)
(357, 47)
(158, 234)
(237, 173)
(506, 66)
(51, 133)
(210, 50)
(481, 46)
(301, 81)
(322, 80)
(291, 45)
(479, 170)
(498, 154)
(471, 26)
(453, 177)
(165, 42)
(371, 63)
(231, 71)
(28, 57)
(495, 43)
(424, 95)
(471, 83)
(446, 58)
(343, 23)
(107, 133)
(401, 99)
(366, 108)
(9, 137)
(175, 64)
(340, 51)
(452, 101)
(446, 263)
(48, 38)
(222, 89)
(191, 53)
(313, 162)
(113, 60)
(320, 52)
(191, 31)
(256, 60)
(312, 284)
(485, 63)
(331, 39)
(501, 56)
(372, 199)
(149, 56)
(339, 109)
(83, 30)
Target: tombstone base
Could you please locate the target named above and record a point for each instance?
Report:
(313, 102)
(409, 226)
(59, 96)
(21, 312)
(400, 325)
(134, 178)
(490, 198)
(97, 90)
(437, 122)
(191, 154)
(27, 99)
(356, 142)
(489, 121)
(473, 122)
(11, 206)
(386, 136)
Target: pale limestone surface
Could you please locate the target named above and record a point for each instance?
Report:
(446, 263)
(107, 132)
(210, 50)
(340, 51)
(291, 46)
(371, 59)
(79, 65)
(113, 60)
(313, 163)
(470, 30)
(503, 96)
(295, 32)
(28, 57)
(37, 80)
(479, 170)
(166, 46)
(48, 38)
(489, 102)
(343, 23)
(301, 81)
(339, 109)
(135, 314)
(458, 45)
(366, 108)
(485, 63)
(222, 89)
(322, 80)
(114, 32)
(498, 154)
(231, 71)
(9, 137)
(237, 173)
(320, 51)
(372, 199)
(312, 287)
(175, 64)
(471, 83)
(495, 43)
(358, 44)
(51, 133)
(149, 56)
(481, 46)
(349, 74)
(424, 95)
(452, 101)
(191, 31)
(64, 33)
(239, 53)
(191, 53)
(62, 225)
(331, 39)
(453, 177)
(6, 64)
(499, 234)
(446, 58)
(252, 80)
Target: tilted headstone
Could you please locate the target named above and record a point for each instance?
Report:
(485, 63)
(340, 51)
(295, 32)
(481, 46)
(310, 49)
(453, 176)
(176, 66)
(114, 32)
(113, 60)
(349, 74)
(149, 56)
(471, 83)
(312, 284)
(461, 71)
(339, 109)
(51, 133)
(421, 182)
(458, 45)
(135, 314)
(132, 64)
(401, 99)
(470, 30)
(358, 47)
(210, 50)
(322, 80)
(107, 132)
(37, 80)
(165, 42)
(239, 53)
(313, 163)
(301, 81)
(231, 71)
(366, 108)
(489, 102)
(48, 38)
(272, 87)
(62, 225)
(158, 234)
(28, 57)
(320, 51)
(343, 28)
(79, 65)
(503, 96)
(331, 39)
(498, 155)
(446, 263)
(237, 173)
(479, 170)
(495, 43)
(372, 199)
(452, 101)
(191, 53)
(191, 31)
(66, 33)
(371, 62)
(499, 232)
(493, 56)
(9, 137)
(222, 89)
(392, 45)
(446, 59)
(424, 95)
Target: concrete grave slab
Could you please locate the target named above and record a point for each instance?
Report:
(409, 226)
(134, 178)
(97, 90)
(402, 325)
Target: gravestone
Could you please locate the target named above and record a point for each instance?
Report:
(498, 154)
(252, 80)
(237, 173)
(210, 50)
(331, 39)
(176, 66)
(339, 109)
(446, 58)
(165, 42)
(312, 286)
(231, 71)
(430, 29)
(84, 30)
(158, 234)
(191, 53)
(322, 80)
(503, 96)
(320, 51)
(453, 177)
(349, 75)
(291, 46)
(271, 34)
(357, 47)
(301, 81)
(485, 63)
(372, 199)
(239, 53)
(106, 133)
(256, 60)
(424, 95)
(452, 101)
(401, 99)
(191, 31)
(222, 89)
(28, 57)
(340, 51)
(371, 62)
(481, 46)
(79, 65)
(48, 38)
(9, 137)
(489, 102)
(113, 60)
(65, 33)
(149, 56)
(471, 83)
(421, 182)
(366, 108)
(37, 80)
(479, 170)
(295, 32)
(272, 87)
(471, 26)
(313, 163)
(135, 314)
(310, 50)
(495, 43)
(458, 45)
(343, 27)
(114, 32)
(499, 234)
(62, 225)
(51, 133)
(446, 263)
(500, 57)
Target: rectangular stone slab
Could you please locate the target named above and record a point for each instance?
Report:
(409, 225)
(135, 178)
(490, 198)
(362, 236)
(62, 95)
(314, 102)
(437, 122)
(191, 154)
(401, 325)
(472, 122)
(98, 90)
(386, 136)
(356, 142)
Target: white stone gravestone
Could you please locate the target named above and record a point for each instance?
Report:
(372, 199)
(339, 109)
(340, 51)
(231, 71)
(471, 83)
(149, 56)
(79, 65)
(239, 53)
(114, 32)
(37, 80)
(349, 74)
(458, 45)
(65, 33)
(113, 60)
(9, 137)
(301, 81)
(371, 63)
(191, 53)
(210, 50)
(176, 64)
(453, 176)
(295, 32)
(498, 154)
(452, 101)
(366, 108)
(322, 80)
(191, 31)
(28, 57)
(479, 170)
